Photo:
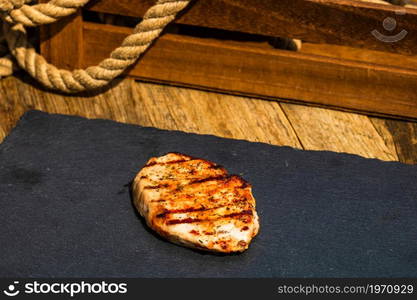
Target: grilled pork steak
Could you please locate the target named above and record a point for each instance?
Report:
(196, 203)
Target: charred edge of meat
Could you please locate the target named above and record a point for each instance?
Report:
(190, 158)
(217, 167)
(166, 163)
(245, 184)
(180, 154)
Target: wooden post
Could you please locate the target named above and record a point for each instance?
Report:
(62, 42)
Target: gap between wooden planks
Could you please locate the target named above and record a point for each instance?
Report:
(228, 116)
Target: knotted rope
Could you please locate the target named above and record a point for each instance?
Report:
(16, 14)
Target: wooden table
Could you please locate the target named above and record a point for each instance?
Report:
(189, 110)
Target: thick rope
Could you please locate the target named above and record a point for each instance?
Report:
(6, 6)
(16, 11)
(42, 13)
(154, 21)
(7, 63)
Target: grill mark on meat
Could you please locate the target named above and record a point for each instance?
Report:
(154, 163)
(211, 178)
(192, 180)
(246, 212)
(183, 221)
(191, 220)
(187, 210)
(178, 161)
(155, 187)
(224, 177)
(200, 194)
(209, 192)
(158, 201)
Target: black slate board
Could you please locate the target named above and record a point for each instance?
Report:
(66, 211)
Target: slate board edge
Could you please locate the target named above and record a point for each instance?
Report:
(28, 115)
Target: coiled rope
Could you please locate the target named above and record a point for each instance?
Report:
(17, 14)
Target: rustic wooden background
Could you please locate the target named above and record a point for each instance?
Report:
(193, 54)
(190, 110)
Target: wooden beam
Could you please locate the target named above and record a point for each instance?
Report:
(236, 68)
(340, 22)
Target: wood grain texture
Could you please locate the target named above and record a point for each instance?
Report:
(153, 105)
(356, 54)
(271, 73)
(319, 129)
(387, 135)
(26, 94)
(11, 105)
(404, 135)
(217, 114)
(196, 111)
(341, 22)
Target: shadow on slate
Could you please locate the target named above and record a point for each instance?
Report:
(66, 209)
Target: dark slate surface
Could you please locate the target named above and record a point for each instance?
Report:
(66, 208)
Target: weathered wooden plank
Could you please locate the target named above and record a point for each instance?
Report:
(341, 22)
(323, 129)
(211, 113)
(11, 105)
(264, 72)
(154, 105)
(18, 95)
